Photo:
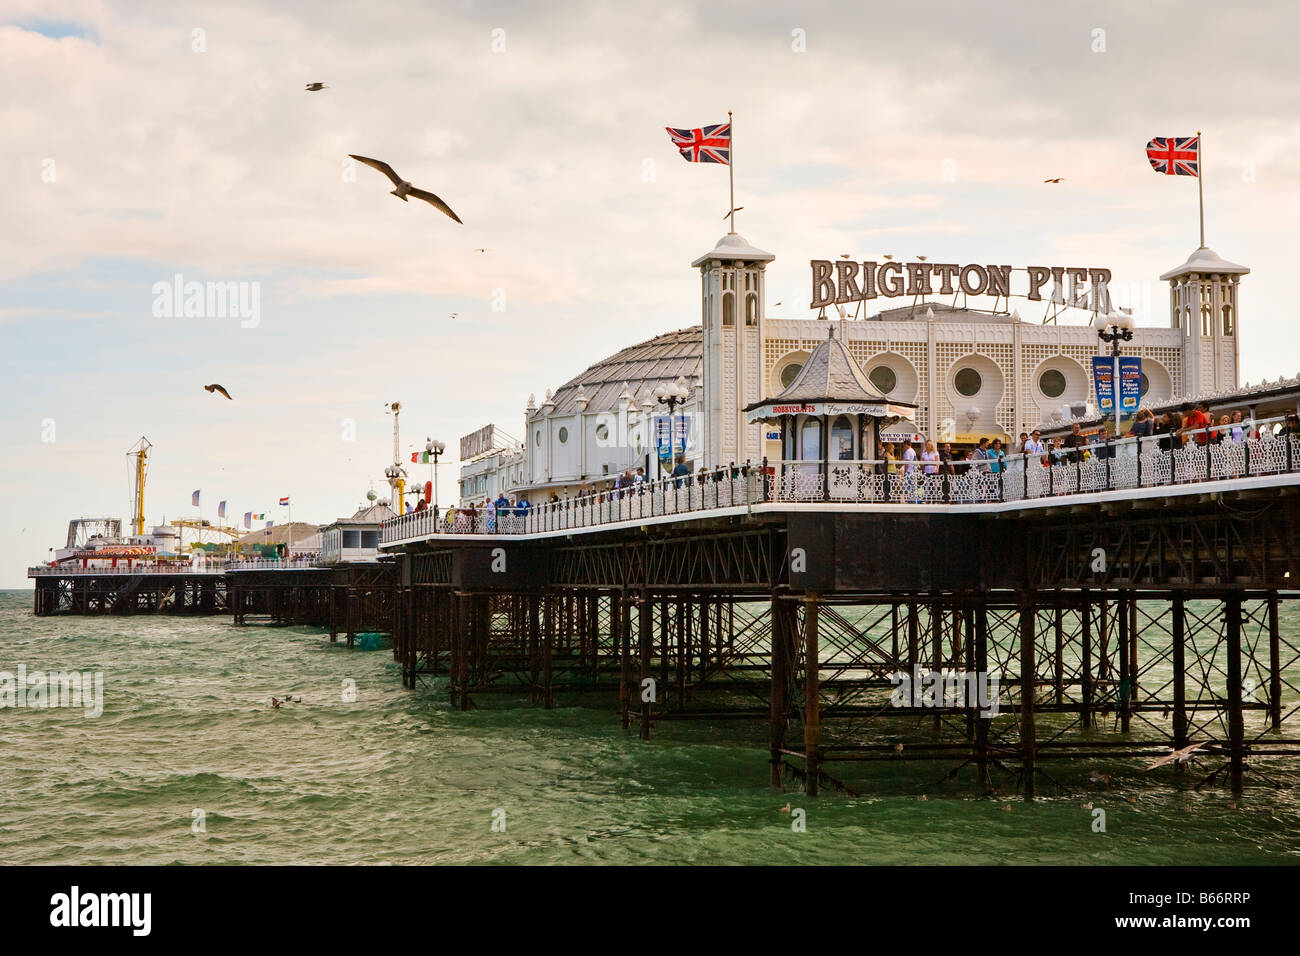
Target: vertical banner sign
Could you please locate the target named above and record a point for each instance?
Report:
(1103, 374)
(682, 427)
(1130, 384)
(662, 438)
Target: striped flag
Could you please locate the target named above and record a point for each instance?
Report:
(708, 144)
(194, 499)
(269, 524)
(221, 510)
(1175, 155)
(284, 500)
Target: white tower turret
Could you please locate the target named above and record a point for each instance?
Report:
(1203, 303)
(733, 300)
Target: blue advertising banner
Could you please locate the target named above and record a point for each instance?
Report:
(1103, 376)
(1130, 384)
(683, 431)
(661, 438)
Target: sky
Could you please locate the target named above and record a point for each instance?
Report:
(148, 140)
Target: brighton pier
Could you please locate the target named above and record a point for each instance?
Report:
(1122, 601)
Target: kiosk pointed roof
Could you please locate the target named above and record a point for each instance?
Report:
(830, 375)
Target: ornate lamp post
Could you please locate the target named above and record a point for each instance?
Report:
(672, 394)
(434, 448)
(1112, 329)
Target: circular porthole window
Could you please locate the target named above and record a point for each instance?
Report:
(1052, 383)
(788, 374)
(883, 377)
(602, 432)
(967, 381)
(564, 435)
(1146, 384)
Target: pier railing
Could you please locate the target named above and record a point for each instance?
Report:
(56, 570)
(1217, 453)
(268, 564)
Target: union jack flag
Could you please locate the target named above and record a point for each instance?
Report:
(709, 144)
(1175, 155)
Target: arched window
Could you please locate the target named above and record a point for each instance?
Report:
(1227, 320)
(751, 310)
(810, 439)
(842, 439)
(728, 309)
(1205, 320)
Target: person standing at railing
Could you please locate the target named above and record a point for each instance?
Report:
(996, 457)
(891, 462)
(931, 458)
(1074, 442)
(909, 456)
(680, 472)
(1034, 446)
(1196, 424)
(981, 455)
(946, 459)
(1237, 431)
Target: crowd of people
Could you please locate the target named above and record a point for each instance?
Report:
(1169, 431)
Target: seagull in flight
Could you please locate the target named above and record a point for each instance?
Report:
(480, 250)
(316, 87)
(737, 209)
(217, 388)
(1058, 179)
(404, 188)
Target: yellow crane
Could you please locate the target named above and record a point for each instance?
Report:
(140, 452)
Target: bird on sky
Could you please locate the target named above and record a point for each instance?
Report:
(846, 255)
(1058, 179)
(737, 209)
(480, 250)
(217, 388)
(453, 315)
(404, 188)
(316, 87)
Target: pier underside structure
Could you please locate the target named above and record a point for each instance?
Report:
(72, 592)
(349, 599)
(995, 646)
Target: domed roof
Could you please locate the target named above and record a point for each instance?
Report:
(1205, 260)
(641, 367)
(734, 248)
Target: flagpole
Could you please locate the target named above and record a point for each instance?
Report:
(731, 172)
(1200, 189)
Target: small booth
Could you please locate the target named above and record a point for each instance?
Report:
(831, 419)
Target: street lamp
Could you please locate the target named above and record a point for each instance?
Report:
(396, 476)
(434, 448)
(1112, 329)
(672, 394)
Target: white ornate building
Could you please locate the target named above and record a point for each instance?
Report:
(970, 373)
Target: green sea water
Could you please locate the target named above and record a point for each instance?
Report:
(396, 776)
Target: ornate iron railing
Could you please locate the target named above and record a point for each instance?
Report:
(1215, 454)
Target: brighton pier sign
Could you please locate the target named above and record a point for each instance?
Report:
(841, 281)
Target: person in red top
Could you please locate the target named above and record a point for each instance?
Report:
(1197, 421)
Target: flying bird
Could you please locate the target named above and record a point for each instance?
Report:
(217, 388)
(1178, 756)
(1058, 179)
(480, 250)
(453, 315)
(316, 87)
(404, 188)
(846, 255)
(737, 209)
